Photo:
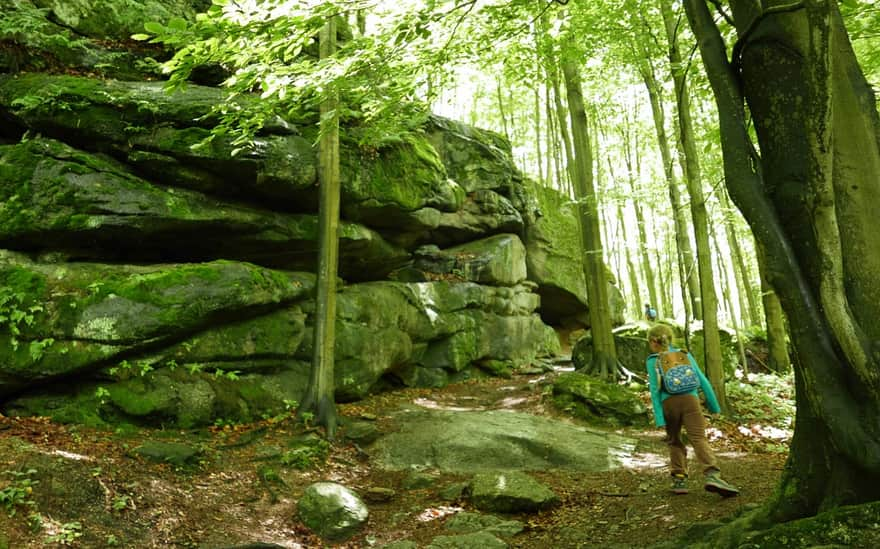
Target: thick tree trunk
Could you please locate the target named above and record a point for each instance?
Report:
(708, 299)
(319, 400)
(810, 201)
(604, 352)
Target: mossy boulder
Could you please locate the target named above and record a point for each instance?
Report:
(61, 199)
(476, 159)
(332, 511)
(630, 341)
(85, 35)
(510, 492)
(554, 259)
(498, 260)
(66, 318)
(598, 401)
(118, 19)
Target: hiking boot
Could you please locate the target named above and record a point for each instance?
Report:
(679, 484)
(714, 483)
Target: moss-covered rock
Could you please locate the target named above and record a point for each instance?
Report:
(75, 202)
(510, 492)
(499, 260)
(83, 35)
(63, 319)
(597, 400)
(630, 341)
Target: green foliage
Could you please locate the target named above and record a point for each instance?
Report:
(18, 492)
(121, 502)
(764, 405)
(67, 534)
(18, 311)
(307, 453)
(27, 30)
(269, 52)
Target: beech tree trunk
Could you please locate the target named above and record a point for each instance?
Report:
(693, 177)
(604, 363)
(810, 198)
(319, 399)
(690, 285)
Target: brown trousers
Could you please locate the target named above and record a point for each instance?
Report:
(685, 411)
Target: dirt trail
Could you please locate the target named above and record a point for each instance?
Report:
(240, 493)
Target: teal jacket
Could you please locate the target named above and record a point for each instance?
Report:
(658, 395)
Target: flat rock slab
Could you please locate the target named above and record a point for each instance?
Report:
(473, 441)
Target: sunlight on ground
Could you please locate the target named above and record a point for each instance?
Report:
(765, 431)
(434, 405)
(434, 513)
(632, 460)
(70, 455)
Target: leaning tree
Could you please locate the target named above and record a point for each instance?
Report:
(806, 177)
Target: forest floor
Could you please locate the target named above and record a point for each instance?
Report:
(92, 491)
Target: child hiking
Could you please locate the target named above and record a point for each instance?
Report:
(676, 408)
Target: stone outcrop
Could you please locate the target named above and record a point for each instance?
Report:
(156, 273)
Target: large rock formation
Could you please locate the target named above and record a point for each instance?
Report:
(150, 274)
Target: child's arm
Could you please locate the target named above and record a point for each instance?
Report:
(654, 386)
(706, 387)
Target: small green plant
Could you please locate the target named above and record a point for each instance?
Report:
(67, 534)
(18, 492)
(231, 376)
(16, 315)
(307, 453)
(35, 522)
(102, 394)
(111, 541)
(307, 418)
(121, 502)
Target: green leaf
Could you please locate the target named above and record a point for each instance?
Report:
(177, 24)
(140, 37)
(154, 27)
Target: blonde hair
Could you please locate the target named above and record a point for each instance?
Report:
(660, 334)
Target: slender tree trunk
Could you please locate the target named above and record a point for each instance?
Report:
(500, 95)
(548, 135)
(690, 284)
(712, 359)
(809, 199)
(778, 358)
(319, 398)
(604, 352)
(562, 117)
(649, 268)
(634, 305)
(742, 271)
(728, 288)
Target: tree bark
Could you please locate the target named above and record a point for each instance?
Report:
(690, 284)
(562, 117)
(708, 299)
(604, 361)
(778, 358)
(810, 202)
(319, 399)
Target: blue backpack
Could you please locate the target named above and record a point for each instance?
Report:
(676, 373)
